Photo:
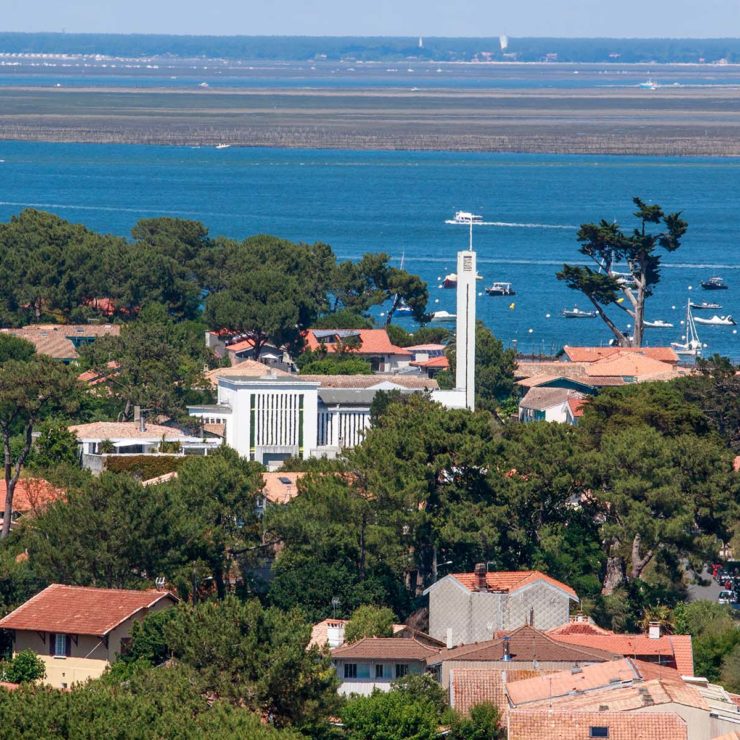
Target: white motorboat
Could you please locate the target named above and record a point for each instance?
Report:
(691, 345)
(714, 283)
(658, 324)
(465, 217)
(443, 316)
(222, 146)
(500, 289)
(649, 85)
(705, 306)
(717, 321)
(450, 281)
(576, 313)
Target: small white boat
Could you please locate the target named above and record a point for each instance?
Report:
(500, 289)
(222, 146)
(649, 85)
(691, 345)
(576, 313)
(203, 84)
(714, 283)
(625, 279)
(465, 217)
(658, 324)
(403, 308)
(450, 281)
(705, 305)
(443, 316)
(717, 321)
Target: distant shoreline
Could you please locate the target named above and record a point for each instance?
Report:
(670, 121)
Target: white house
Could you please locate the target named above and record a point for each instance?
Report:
(551, 404)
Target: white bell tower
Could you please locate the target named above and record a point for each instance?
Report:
(465, 329)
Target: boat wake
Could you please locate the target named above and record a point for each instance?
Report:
(512, 225)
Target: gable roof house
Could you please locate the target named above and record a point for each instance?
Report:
(674, 651)
(61, 341)
(78, 631)
(374, 662)
(522, 649)
(373, 345)
(551, 404)
(470, 607)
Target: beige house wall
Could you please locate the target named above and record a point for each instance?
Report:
(89, 655)
(699, 724)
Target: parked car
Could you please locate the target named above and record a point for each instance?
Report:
(726, 597)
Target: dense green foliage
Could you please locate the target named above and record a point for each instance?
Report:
(25, 667)
(369, 621)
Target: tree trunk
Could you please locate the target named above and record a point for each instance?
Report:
(639, 563)
(12, 476)
(623, 341)
(218, 577)
(614, 575)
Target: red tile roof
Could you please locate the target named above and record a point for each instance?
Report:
(545, 724)
(576, 406)
(385, 648)
(471, 686)
(371, 342)
(632, 365)
(123, 430)
(31, 494)
(77, 610)
(676, 646)
(578, 626)
(592, 354)
(435, 362)
(246, 369)
(512, 580)
(525, 644)
(590, 678)
(280, 488)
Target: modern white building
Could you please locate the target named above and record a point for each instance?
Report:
(272, 417)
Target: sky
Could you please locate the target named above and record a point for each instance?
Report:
(614, 18)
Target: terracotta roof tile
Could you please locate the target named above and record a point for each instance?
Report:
(433, 362)
(280, 488)
(78, 610)
(592, 354)
(246, 369)
(471, 686)
(413, 382)
(545, 398)
(545, 724)
(578, 627)
(113, 430)
(511, 580)
(525, 644)
(588, 679)
(677, 646)
(388, 648)
(32, 494)
(631, 365)
(576, 406)
(371, 342)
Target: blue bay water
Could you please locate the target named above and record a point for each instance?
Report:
(397, 202)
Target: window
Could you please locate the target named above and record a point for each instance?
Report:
(401, 669)
(60, 645)
(363, 670)
(350, 670)
(599, 732)
(378, 670)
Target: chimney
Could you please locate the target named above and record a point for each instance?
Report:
(654, 630)
(449, 638)
(507, 649)
(142, 423)
(480, 571)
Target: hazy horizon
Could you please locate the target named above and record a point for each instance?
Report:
(664, 19)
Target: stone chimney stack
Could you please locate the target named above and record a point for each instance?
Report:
(480, 571)
(654, 630)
